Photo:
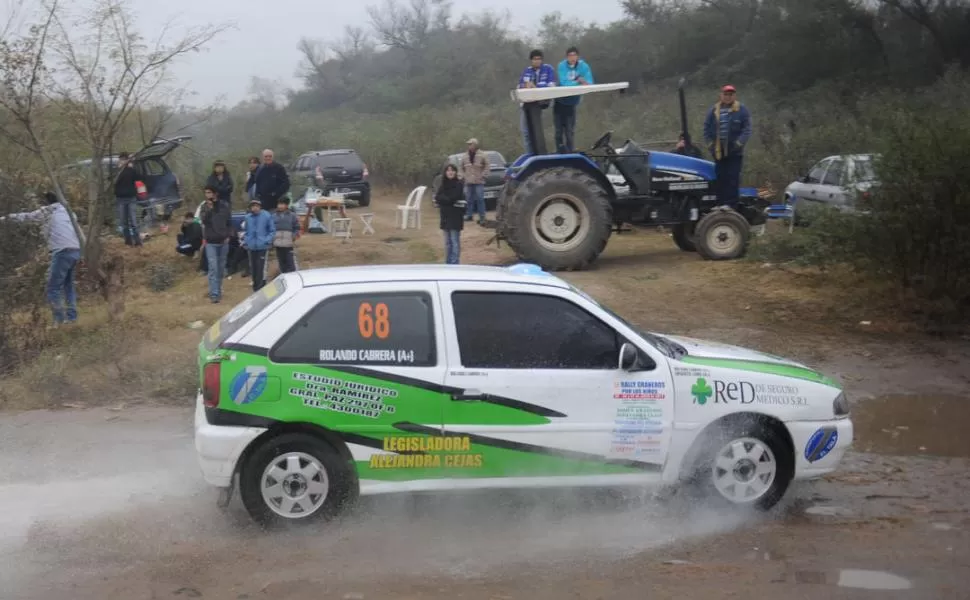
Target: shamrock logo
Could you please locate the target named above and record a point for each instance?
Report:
(701, 391)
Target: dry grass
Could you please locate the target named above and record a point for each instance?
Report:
(150, 357)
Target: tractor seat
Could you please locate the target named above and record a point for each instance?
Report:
(633, 163)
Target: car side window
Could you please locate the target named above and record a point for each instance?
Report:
(507, 330)
(833, 175)
(381, 329)
(818, 172)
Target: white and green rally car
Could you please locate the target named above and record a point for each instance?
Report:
(330, 383)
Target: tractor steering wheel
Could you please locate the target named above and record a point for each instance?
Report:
(603, 141)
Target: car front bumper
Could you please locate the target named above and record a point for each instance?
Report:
(218, 447)
(811, 463)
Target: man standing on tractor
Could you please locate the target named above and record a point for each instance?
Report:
(572, 71)
(474, 170)
(727, 129)
(537, 75)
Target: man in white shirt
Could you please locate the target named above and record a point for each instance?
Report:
(65, 249)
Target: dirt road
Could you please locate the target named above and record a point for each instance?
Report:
(110, 504)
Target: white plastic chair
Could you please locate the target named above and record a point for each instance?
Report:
(410, 211)
(341, 228)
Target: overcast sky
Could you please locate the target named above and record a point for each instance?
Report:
(266, 34)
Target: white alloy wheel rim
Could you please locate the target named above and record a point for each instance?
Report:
(744, 470)
(723, 238)
(562, 222)
(294, 485)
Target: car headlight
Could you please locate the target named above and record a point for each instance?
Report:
(840, 406)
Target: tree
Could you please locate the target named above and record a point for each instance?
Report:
(91, 66)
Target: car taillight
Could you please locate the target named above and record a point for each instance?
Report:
(366, 172)
(211, 383)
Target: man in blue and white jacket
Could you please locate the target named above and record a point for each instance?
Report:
(537, 75)
(65, 249)
(572, 71)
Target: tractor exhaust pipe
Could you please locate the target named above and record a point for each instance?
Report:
(683, 111)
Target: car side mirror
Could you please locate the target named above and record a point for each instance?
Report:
(805, 179)
(629, 357)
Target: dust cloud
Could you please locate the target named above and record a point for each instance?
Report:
(111, 493)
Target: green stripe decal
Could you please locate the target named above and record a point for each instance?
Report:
(764, 367)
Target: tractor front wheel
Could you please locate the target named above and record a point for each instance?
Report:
(560, 219)
(722, 234)
(684, 236)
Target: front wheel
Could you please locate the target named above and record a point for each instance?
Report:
(295, 479)
(722, 234)
(684, 237)
(745, 466)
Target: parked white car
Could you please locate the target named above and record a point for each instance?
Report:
(838, 181)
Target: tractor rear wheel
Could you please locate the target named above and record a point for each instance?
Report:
(684, 236)
(722, 234)
(560, 219)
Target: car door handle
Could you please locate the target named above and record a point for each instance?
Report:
(469, 396)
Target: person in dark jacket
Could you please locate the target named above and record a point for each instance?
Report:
(451, 203)
(272, 182)
(190, 238)
(221, 180)
(727, 129)
(685, 150)
(217, 228)
(126, 197)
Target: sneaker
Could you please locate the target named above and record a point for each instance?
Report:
(216, 300)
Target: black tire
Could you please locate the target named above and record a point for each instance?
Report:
(341, 490)
(580, 193)
(364, 200)
(722, 234)
(684, 236)
(702, 472)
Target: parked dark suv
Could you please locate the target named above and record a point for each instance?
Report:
(164, 189)
(343, 170)
(493, 182)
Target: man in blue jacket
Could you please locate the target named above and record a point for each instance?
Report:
(537, 75)
(572, 71)
(260, 231)
(727, 130)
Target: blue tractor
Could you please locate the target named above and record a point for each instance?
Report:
(559, 210)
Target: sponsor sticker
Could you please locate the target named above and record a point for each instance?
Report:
(821, 443)
(719, 391)
(426, 453)
(338, 395)
(248, 385)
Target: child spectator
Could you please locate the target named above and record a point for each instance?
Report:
(190, 238)
(287, 232)
(260, 232)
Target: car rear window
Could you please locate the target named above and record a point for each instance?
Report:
(242, 313)
(864, 171)
(351, 162)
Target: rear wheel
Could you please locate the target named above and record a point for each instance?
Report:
(560, 219)
(722, 234)
(364, 198)
(684, 236)
(295, 479)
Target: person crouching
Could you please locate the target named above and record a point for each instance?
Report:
(287, 232)
(260, 232)
(190, 238)
(451, 203)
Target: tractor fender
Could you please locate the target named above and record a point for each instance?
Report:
(576, 161)
(669, 161)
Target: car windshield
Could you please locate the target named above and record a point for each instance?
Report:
(242, 313)
(669, 348)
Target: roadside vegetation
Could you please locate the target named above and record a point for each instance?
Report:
(408, 87)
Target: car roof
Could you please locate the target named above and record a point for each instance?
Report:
(859, 157)
(530, 274)
(328, 152)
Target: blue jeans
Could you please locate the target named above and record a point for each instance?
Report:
(564, 119)
(60, 285)
(452, 246)
(475, 196)
(128, 220)
(525, 132)
(216, 255)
